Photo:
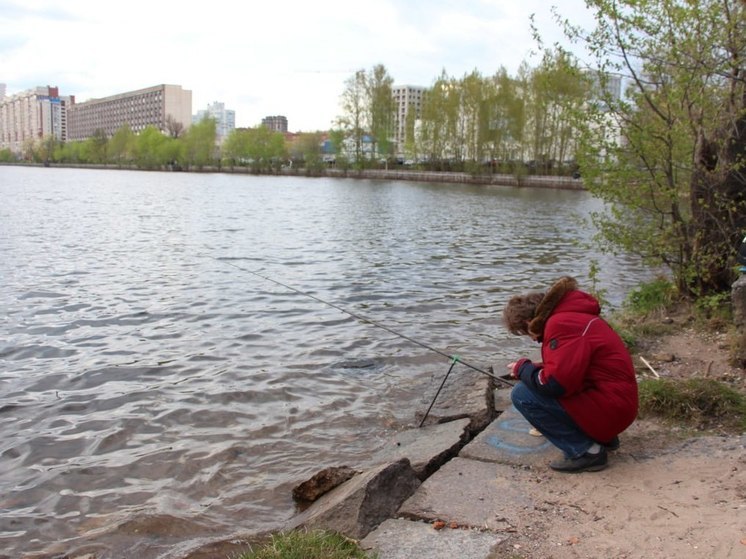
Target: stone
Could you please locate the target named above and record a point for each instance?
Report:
(664, 357)
(405, 539)
(360, 504)
(507, 440)
(738, 298)
(502, 399)
(466, 393)
(473, 494)
(426, 448)
(321, 483)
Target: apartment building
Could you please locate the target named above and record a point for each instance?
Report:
(32, 115)
(407, 99)
(225, 119)
(277, 123)
(152, 106)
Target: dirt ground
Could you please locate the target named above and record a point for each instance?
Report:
(667, 493)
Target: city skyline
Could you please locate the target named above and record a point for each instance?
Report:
(290, 58)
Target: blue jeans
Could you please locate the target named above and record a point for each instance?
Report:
(548, 416)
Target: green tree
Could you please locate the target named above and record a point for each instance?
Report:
(669, 156)
(307, 148)
(98, 145)
(49, 148)
(171, 151)
(235, 147)
(353, 118)
(122, 145)
(438, 137)
(503, 118)
(557, 90)
(199, 143)
(265, 147)
(72, 152)
(381, 109)
(473, 92)
(148, 146)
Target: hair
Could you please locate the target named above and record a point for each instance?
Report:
(520, 310)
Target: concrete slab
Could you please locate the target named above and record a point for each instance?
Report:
(473, 494)
(507, 440)
(466, 393)
(502, 398)
(405, 539)
(360, 504)
(427, 448)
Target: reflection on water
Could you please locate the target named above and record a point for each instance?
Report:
(155, 389)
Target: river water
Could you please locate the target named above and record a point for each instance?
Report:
(159, 387)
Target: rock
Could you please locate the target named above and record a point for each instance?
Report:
(664, 357)
(466, 394)
(321, 483)
(359, 505)
(404, 539)
(427, 448)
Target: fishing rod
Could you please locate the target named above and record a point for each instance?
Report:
(454, 358)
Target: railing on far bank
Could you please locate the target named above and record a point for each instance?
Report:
(536, 181)
(542, 181)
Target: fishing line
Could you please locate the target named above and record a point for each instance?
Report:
(455, 359)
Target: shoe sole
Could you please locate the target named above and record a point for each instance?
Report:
(594, 468)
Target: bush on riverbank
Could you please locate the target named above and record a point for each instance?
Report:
(689, 401)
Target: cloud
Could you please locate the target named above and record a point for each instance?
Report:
(287, 57)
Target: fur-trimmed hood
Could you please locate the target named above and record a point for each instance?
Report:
(550, 301)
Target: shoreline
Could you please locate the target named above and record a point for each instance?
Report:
(532, 181)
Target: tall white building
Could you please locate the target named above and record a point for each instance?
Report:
(33, 115)
(2, 92)
(225, 119)
(408, 99)
(605, 86)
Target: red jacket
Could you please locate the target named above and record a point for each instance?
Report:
(586, 366)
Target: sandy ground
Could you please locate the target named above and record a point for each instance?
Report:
(666, 494)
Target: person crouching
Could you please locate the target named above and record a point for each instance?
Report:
(584, 392)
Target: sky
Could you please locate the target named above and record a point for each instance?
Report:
(275, 57)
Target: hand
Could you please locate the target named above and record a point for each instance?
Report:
(515, 367)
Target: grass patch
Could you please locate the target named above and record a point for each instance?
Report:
(698, 403)
(312, 544)
(644, 312)
(653, 296)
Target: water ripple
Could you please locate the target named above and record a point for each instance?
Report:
(164, 377)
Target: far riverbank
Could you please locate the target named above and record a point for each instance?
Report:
(495, 179)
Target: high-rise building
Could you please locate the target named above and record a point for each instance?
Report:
(162, 106)
(407, 99)
(2, 92)
(225, 119)
(277, 123)
(32, 115)
(605, 86)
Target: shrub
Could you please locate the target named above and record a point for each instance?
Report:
(314, 544)
(652, 296)
(697, 402)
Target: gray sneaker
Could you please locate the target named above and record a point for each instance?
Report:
(586, 463)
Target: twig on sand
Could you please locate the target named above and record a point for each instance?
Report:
(667, 510)
(649, 366)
